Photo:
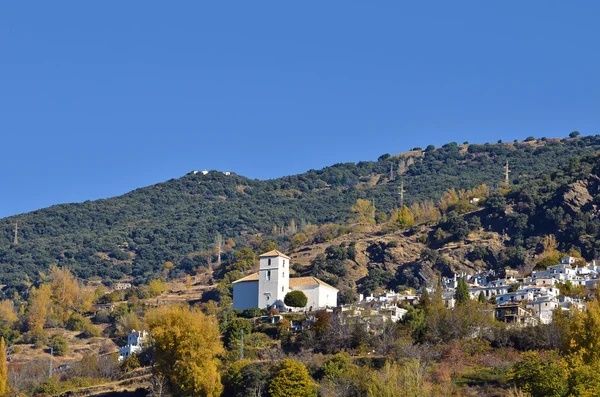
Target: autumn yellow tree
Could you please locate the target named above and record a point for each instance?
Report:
(404, 218)
(128, 323)
(449, 198)
(364, 212)
(64, 286)
(292, 380)
(187, 343)
(550, 255)
(157, 287)
(7, 312)
(3, 368)
(39, 300)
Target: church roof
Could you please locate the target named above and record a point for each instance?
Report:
(298, 282)
(295, 282)
(274, 253)
(252, 277)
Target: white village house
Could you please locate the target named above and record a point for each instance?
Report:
(268, 287)
(135, 342)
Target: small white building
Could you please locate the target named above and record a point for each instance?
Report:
(268, 287)
(135, 342)
(121, 286)
(543, 307)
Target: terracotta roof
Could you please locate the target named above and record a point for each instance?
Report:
(274, 253)
(307, 282)
(252, 277)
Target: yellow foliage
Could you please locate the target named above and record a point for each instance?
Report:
(3, 367)
(187, 343)
(64, 286)
(299, 239)
(39, 301)
(129, 323)
(404, 218)
(7, 312)
(394, 380)
(157, 287)
(549, 243)
(365, 212)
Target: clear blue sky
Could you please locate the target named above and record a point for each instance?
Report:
(99, 98)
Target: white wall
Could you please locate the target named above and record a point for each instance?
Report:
(272, 289)
(319, 296)
(312, 295)
(327, 296)
(245, 295)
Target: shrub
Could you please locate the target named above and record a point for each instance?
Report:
(59, 345)
(130, 363)
(295, 299)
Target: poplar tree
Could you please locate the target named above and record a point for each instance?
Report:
(3, 368)
(187, 345)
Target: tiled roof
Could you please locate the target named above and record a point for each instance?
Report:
(252, 277)
(274, 253)
(307, 282)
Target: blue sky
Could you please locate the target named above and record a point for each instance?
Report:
(99, 98)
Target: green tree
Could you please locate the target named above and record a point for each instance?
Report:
(244, 259)
(574, 134)
(187, 344)
(541, 377)
(295, 299)
(234, 330)
(292, 380)
(481, 297)
(59, 345)
(462, 292)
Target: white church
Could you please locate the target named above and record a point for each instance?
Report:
(268, 287)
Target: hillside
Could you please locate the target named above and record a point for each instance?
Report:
(533, 224)
(134, 234)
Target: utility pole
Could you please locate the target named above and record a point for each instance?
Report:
(219, 244)
(506, 171)
(374, 209)
(50, 370)
(16, 240)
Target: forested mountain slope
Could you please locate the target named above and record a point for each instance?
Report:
(531, 224)
(136, 233)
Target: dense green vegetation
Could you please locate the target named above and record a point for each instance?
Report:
(136, 233)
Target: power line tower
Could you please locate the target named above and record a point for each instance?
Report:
(506, 172)
(391, 171)
(401, 193)
(16, 240)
